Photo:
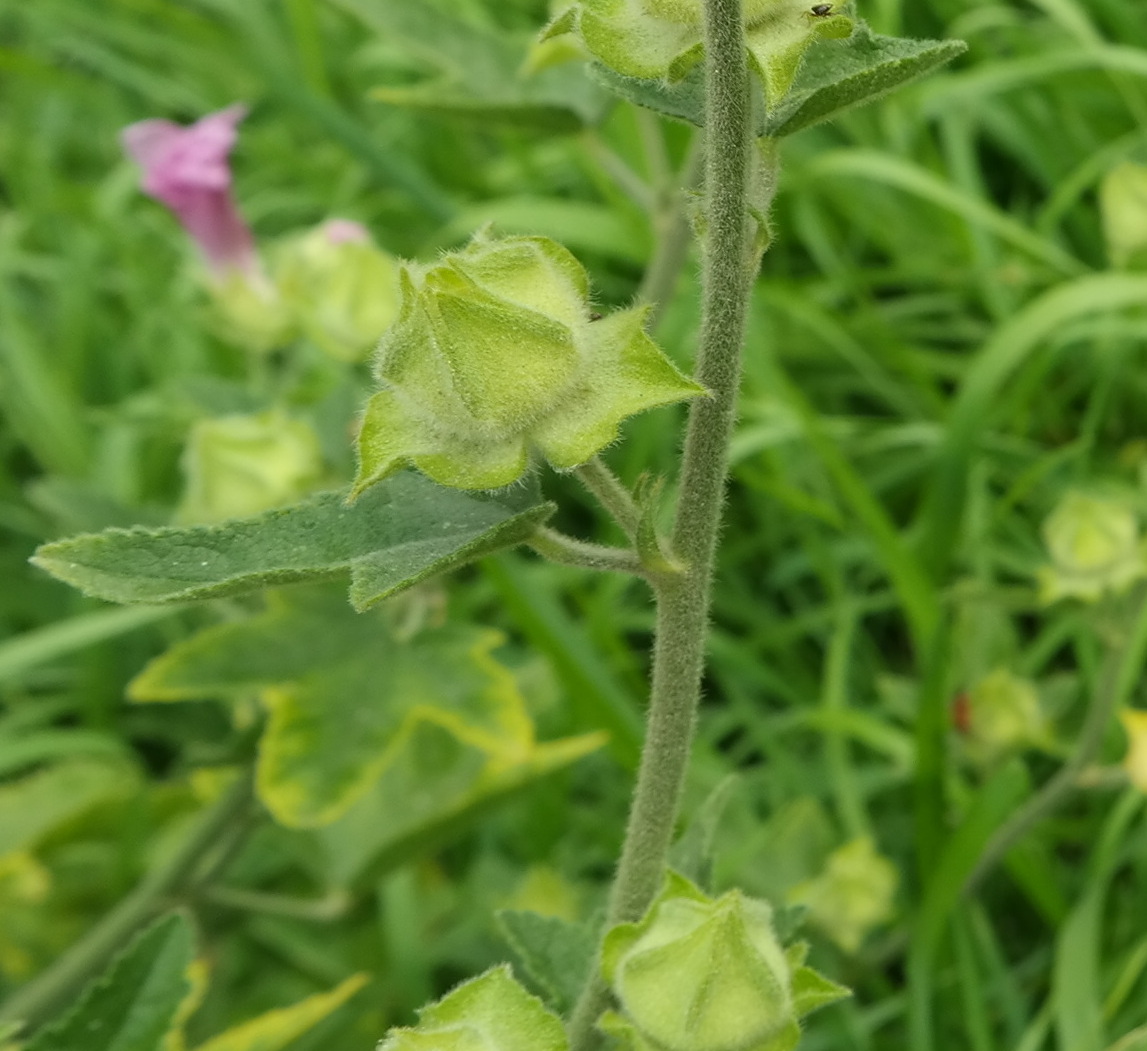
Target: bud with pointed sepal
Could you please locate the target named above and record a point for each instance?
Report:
(496, 355)
(704, 974)
(661, 39)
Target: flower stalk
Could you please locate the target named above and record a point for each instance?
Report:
(683, 600)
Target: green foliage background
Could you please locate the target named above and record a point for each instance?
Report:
(938, 350)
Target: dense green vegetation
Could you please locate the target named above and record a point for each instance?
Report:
(943, 345)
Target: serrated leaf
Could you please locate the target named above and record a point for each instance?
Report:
(556, 954)
(682, 100)
(478, 73)
(131, 1005)
(276, 1029)
(402, 531)
(344, 696)
(837, 75)
(834, 76)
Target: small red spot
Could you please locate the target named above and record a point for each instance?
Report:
(962, 713)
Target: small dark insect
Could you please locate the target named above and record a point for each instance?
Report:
(596, 317)
(822, 10)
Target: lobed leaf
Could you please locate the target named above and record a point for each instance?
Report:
(402, 531)
(347, 702)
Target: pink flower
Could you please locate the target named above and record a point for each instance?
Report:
(186, 169)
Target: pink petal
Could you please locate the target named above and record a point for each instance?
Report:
(186, 168)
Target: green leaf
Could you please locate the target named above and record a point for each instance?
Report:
(345, 697)
(692, 854)
(839, 75)
(478, 73)
(555, 953)
(835, 75)
(682, 100)
(36, 805)
(131, 1005)
(402, 531)
(444, 784)
(276, 1029)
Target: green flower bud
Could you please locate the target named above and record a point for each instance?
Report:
(343, 289)
(1003, 715)
(1094, 546)
(852, 895)
(1123, 207)
(489, 1013)
(662, 38)
(495, 354)
(698, 974)
(247, 310)
(241, 465)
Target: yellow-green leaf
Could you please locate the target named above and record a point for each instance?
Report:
(276, 1029)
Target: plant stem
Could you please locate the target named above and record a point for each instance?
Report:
(683, 600)
(37, 1002)
(1122, 666)
(611, 494)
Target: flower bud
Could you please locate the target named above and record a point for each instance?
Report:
(852, 895)
(1123, 207)
(662, 38)
(247, 310)
(698, 974)
(342, 288)
(1094, 546)
(241, 465)
(496, 354)
(489, 1013)
(1002, 715)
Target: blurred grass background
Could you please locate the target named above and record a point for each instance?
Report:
(938, 351)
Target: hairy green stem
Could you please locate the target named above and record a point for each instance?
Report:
(1121, 669)
(37, 1002)
(683, 600)
(567, 550)
(609, 491)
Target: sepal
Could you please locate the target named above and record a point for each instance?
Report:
(489, 1013)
